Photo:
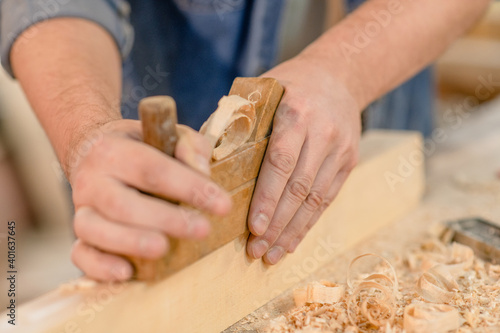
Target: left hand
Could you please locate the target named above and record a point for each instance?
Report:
(313, 148)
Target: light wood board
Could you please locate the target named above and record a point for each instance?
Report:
(226, 285)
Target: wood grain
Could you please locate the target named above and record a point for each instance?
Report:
(240, 167)
(226, 285)
(159, 116)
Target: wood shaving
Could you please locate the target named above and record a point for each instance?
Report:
(435, 287)
(230, 126)
(323, 293)
(81, 284)
(426, 317)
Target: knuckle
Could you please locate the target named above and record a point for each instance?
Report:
(83, 225)
(292, 114)
(313, 201)
(80, 181)
(300, 188)
(352, 162)
(115, 205)
(306, 229)
(348, 147)
(79, 226)
(82, 190)
(151, 178)
(325, 204)
(329, 133)
(290, 233)
(282, 161)
(267, 198)
(272, 233)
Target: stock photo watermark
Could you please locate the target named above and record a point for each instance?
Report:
(366, 34)
(11, 272)
(452, 120)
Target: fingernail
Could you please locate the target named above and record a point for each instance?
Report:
(259, 248)
(275, 254)
(203, 164)
(260, 223)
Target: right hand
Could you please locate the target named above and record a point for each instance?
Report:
(113, 217)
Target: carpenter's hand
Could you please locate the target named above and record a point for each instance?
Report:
(110, 169)
(313, 148)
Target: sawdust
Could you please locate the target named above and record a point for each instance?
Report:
(435, 288)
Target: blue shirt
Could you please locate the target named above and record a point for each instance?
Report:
(189, 49)
(193, 49)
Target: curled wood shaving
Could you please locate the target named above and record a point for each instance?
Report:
(392, 279)
(425, 317)
(472, 303)
(315, 292)
(230, 126)
(371, 302)
(433, 289)
(438, 283)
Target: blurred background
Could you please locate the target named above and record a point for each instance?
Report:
(34, 192)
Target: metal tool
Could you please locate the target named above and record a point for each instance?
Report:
(480, 235)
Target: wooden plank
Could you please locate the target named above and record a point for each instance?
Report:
(226, 285)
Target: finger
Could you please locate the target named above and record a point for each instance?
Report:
(151, 171)
(309, 206)
(193, 149)
(113, 237)
(332, 194)
(279, 162)
(295, 192)
(117, 202)
(99, 265)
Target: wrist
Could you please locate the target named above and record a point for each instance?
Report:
(80, 134)
(338, 75)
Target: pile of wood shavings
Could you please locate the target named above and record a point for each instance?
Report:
(437, 288)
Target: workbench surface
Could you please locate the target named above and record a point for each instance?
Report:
(463, 180)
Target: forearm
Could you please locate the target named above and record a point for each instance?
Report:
(70, 70)
(372, 53)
